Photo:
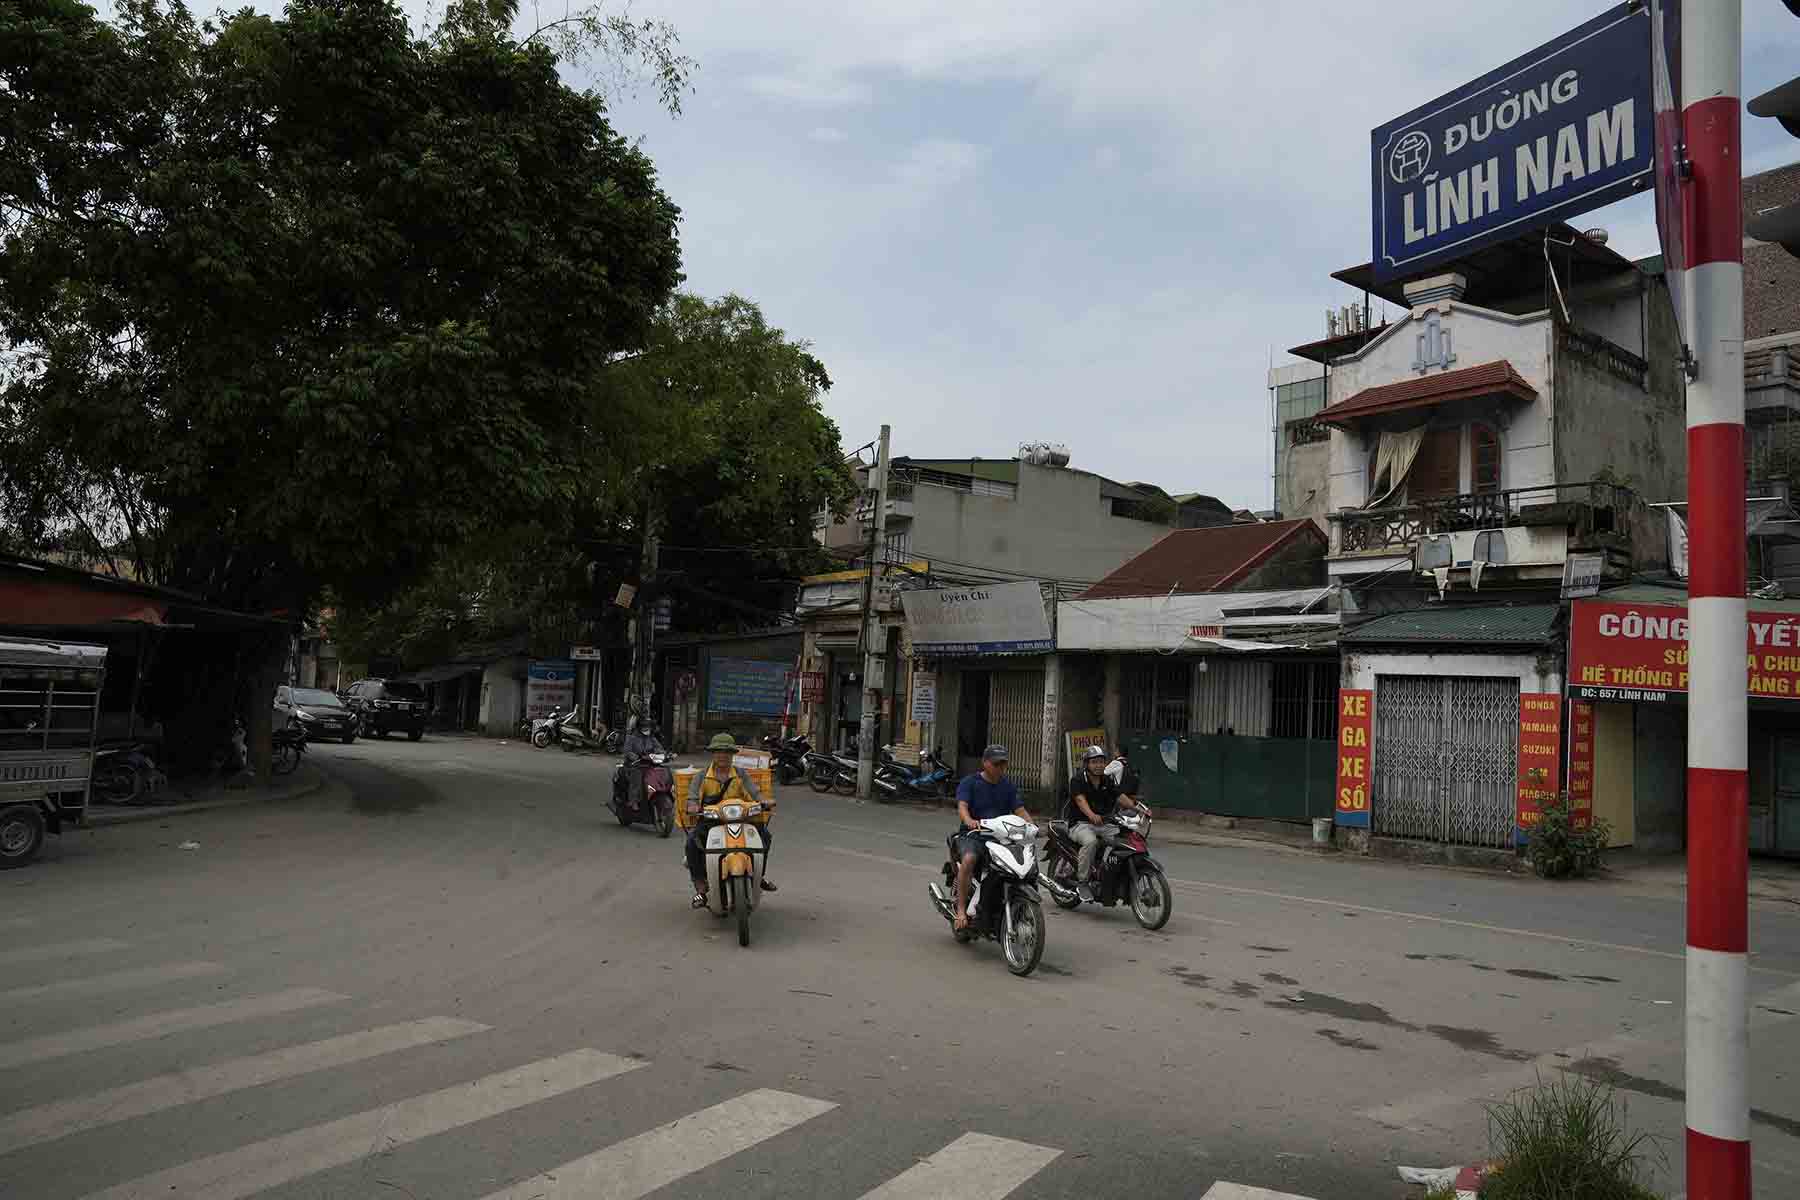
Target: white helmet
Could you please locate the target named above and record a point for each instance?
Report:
(1091, 753)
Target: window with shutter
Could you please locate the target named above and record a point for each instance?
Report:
(1484, 459)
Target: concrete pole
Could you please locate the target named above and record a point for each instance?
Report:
(1718, 1035)
(874, 645)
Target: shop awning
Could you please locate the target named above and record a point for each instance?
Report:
(51, 654)
(54, 603)
(1471, 627)
(440, 674)
(1496, 379)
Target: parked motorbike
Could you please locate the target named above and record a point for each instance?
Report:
(287, 747)
(894, 780)
(735, 853)
(575, 736)
(1124, 870)
(831, 772)
(614, 741)
(1003, 898)
(789, 756)
(651, 800)
(127, 774)
(551, 728)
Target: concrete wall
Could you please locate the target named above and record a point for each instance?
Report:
(1535, 672)
(1081, 699)
(1610, 426)
(1058, 527)
(1478, 335)
(502, 696)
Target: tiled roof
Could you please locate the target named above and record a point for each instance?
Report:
(1194, 561)
(1473, 624)
(1466, 384)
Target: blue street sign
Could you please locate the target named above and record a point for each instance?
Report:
(1556, 132)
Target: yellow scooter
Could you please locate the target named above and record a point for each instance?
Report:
(735, 852)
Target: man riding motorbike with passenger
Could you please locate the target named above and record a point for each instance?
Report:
(981, 797)
(1093, 797)
(721, 781)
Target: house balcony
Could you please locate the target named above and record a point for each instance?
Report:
(899, 504)
(1520, 536)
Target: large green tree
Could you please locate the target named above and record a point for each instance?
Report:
(304, 302)
(731, 460)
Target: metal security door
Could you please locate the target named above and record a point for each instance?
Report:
(1446, 759)
(1016, 721)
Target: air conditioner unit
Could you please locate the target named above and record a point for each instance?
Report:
(1434, 550)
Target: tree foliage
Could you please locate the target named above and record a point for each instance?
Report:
(732, 458)
(303, 302)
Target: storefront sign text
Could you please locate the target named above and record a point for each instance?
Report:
(1581, 762)
(924, 697)
(1540, 754)
(1355, 755)
(1638, 652)
(1001, 618)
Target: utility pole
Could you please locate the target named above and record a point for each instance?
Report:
(1717, 1017)
(643, 625)
(874, 645)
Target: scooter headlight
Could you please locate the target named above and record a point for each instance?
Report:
(732, 812)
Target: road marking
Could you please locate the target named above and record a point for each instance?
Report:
(973, 1167)
(1238, 1191)
(640, 1165)
(96, 1037)
(1563, 938)
(279, 1160)
(90, 985)
(47, 1122)
(61, 950)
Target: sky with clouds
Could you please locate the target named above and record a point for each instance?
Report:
(1011, 220)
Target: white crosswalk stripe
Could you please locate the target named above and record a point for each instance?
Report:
(48, 1122)
(98, 1037)
(973, 1167)
(275, 1161)
(57, 950)
(640, 1165)
(112, 981)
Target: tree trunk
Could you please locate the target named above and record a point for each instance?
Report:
(265, 676)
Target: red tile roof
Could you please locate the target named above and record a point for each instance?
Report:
(1488, 379)
(1193, 561)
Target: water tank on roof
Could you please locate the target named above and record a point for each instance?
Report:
(1044, 454)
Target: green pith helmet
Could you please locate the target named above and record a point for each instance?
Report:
(722, 741)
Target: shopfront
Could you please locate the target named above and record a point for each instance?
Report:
(1628, 665)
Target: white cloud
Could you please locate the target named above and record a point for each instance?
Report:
(936, 164)
(812, 90)
(828, 135)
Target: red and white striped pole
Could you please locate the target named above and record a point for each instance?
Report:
(1718, 1034)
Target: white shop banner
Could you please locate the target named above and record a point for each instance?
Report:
(1001, 618)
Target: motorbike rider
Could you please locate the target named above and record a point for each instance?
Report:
(981, 797)
(1093, 797)
(640, 741)
(722, 780)
(1125, 777)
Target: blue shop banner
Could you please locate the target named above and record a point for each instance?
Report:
(1554, 133)
(747, 685)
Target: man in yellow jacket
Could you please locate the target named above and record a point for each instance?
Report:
(722, 780)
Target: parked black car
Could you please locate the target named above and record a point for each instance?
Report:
(315, 710)
(381, 705)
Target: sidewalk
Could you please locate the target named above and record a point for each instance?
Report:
(1770, 879)
(190, 798)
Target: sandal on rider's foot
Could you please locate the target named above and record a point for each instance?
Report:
(699, 900)
(769, 887)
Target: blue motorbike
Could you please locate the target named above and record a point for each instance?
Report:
(895, 780)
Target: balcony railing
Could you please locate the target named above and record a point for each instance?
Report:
(1595, 507)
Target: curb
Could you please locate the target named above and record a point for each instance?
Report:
(156, 812)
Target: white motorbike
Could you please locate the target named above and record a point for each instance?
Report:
(1003, 892)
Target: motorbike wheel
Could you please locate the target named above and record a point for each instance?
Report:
(821, 779)
(540, 739)
(740, 900)
(415, 735)
(624, 815)
(1151, 902)
(845, 784)
(1063, 871)
(287, 759)
(1026, 945)
(116, 783)
(665, 816)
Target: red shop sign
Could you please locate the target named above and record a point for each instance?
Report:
(1639, 652)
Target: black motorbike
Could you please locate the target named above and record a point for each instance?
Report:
(831, 772)
(1126, 872)
(788, 755)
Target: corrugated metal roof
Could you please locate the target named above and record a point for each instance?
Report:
(1197, 561)
(1647, 592)
(1474, 625)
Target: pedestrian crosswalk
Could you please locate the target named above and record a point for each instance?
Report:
(560, 1086)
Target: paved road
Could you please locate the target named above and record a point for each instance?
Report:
(452, 975)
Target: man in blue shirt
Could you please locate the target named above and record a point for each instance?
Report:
(979, 798)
